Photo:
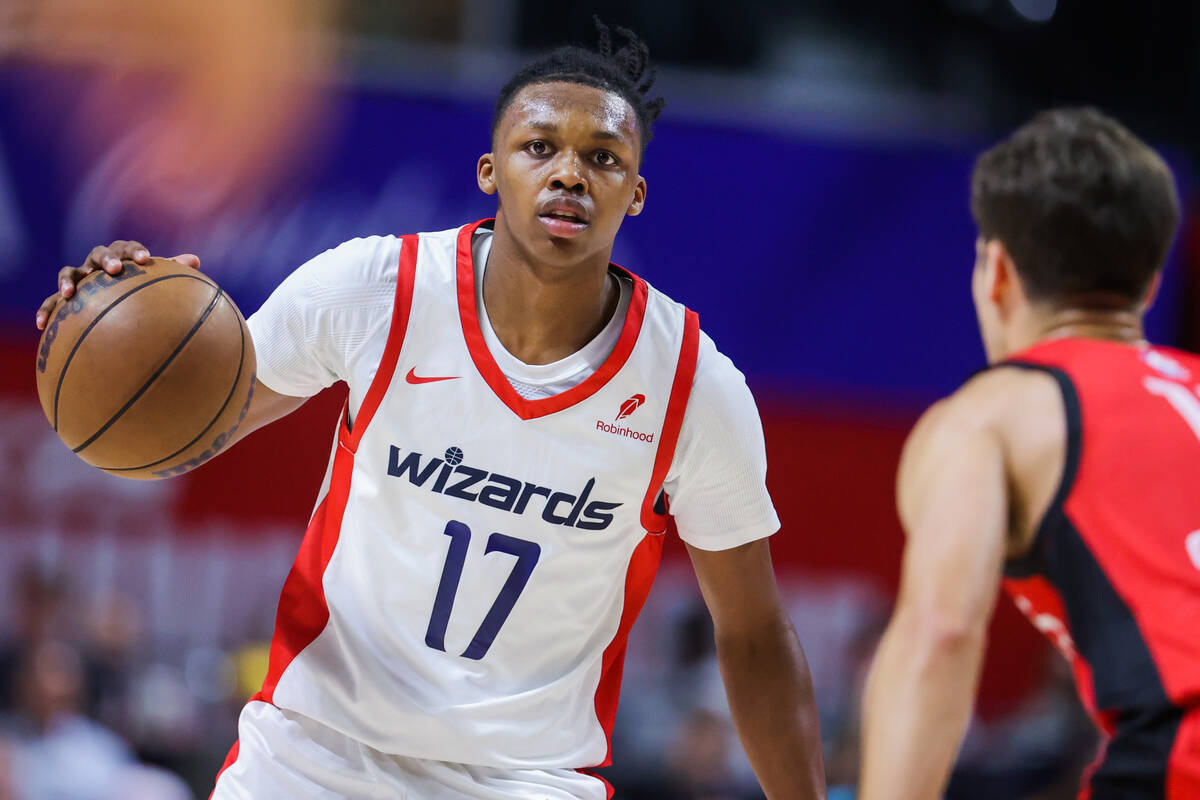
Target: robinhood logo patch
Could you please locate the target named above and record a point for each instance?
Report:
(449, 476)
(627, 408)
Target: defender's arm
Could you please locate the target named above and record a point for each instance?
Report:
(953, 501)
(762, 664)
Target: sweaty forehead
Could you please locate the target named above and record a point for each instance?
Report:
(560, 103)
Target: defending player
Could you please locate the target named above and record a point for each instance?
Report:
(521, 415)
(1072, 466)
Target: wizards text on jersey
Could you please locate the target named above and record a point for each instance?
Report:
(456, 479)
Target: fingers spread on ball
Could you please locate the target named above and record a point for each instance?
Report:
(106, 258)
(45, 310)
(134, 251)
(69, 276)
(103, 258)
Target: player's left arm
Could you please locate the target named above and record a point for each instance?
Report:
(724, 514)
(762, 664)
(952, 494)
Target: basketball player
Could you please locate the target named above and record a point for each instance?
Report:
(525, 422)
(1072, 467)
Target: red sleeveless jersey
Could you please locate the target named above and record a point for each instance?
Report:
(1113, 578)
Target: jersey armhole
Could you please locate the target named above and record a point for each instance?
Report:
(1055, 515)
(401, 307)
(655, 508)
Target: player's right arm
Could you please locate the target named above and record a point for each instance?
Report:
(266, 405)
(953, 498)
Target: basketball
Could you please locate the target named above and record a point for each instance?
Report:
(148, 373)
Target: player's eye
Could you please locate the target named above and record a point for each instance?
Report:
(538, 148)
(605, 158)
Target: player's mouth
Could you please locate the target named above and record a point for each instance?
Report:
(563, 217)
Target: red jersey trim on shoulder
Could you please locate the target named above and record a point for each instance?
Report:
(401, 307)
(491, 372)
(303, 611)
(681, 391)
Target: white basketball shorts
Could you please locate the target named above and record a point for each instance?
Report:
(285, 756)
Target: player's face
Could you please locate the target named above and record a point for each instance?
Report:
(564, 163)
(986, 309)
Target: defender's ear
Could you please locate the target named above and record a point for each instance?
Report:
(1151, 292)
(1003, 282)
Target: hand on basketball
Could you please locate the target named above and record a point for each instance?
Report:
(105, 258)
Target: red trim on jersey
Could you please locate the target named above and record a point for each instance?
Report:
(681, 390)
(229, 759)
(491, 372)
(1183, 768)
(1048, 614)
(608, 787)
(401, 306)
(303, 612)
(643, 565)
(1039, 600)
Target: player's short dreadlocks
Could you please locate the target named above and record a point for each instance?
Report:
(625, 70)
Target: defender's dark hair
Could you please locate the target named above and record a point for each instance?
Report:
(1086, 209)
(625, 71)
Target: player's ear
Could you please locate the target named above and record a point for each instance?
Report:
(485, 173)
(1000, 272)
(639, 198)
(1151, 292)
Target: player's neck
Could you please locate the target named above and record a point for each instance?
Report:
(1120, 325)
(542, 313)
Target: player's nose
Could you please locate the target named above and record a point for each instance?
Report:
(568, 173)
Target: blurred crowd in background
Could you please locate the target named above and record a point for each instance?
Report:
(95, 707)
(821, 147)
(71, 726)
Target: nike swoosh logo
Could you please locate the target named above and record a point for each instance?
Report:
(411, 377)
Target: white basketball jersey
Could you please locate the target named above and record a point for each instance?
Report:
(475, 561)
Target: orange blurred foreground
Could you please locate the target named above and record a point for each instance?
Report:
(235, 94)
